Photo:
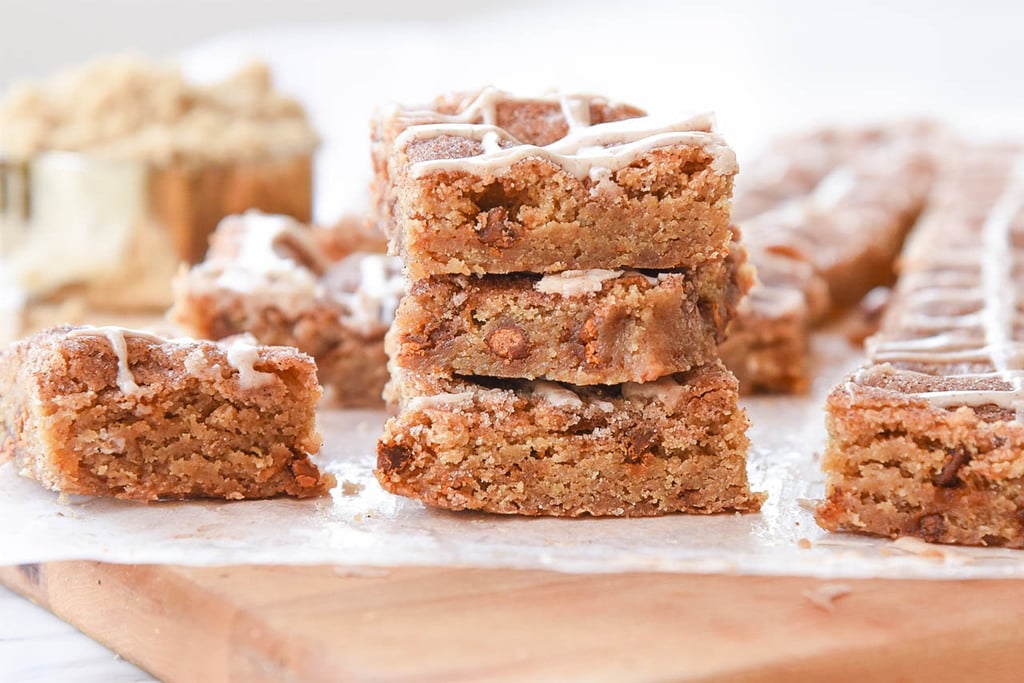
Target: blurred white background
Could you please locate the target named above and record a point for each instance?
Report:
(37, 36)
(764, 67)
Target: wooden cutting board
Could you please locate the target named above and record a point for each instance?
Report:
(443, 624)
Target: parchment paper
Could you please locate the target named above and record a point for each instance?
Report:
(750, 71)
(362, 525)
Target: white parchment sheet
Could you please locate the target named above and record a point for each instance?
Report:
(363, 525)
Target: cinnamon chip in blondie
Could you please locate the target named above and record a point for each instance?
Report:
(581, 327)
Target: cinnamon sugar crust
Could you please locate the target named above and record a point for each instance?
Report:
(113, 412)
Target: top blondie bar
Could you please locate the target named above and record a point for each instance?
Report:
(494, 183)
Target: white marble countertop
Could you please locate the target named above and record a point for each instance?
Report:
(37, 646)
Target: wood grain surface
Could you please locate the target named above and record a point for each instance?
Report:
(441, 624)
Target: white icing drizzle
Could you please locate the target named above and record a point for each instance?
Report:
(576, 282)
(117, 338)
(984, 333)
(943, 292)
(925, 321)
(785, 285)
(258, 259)
(575, 110)
(369, 286)
(442, 401)
(661, 389)
(788, 220)
(775, 301)
(555, 394)
(833, 188)
(242, 354)
(585, 148)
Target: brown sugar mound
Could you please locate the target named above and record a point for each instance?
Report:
(130, 108)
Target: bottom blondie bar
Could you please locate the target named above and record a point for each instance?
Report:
(542, 448)
(114, 412)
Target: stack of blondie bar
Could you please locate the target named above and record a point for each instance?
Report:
(572, 272)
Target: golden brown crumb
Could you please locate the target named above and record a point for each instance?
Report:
(632, 328)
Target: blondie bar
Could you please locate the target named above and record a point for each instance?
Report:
(543, 448)
(288, 284)
(498, 184)
(767, 343)
(927, 439)
(836, 201)
(115, 412)
(580, 327)
(793, 165)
